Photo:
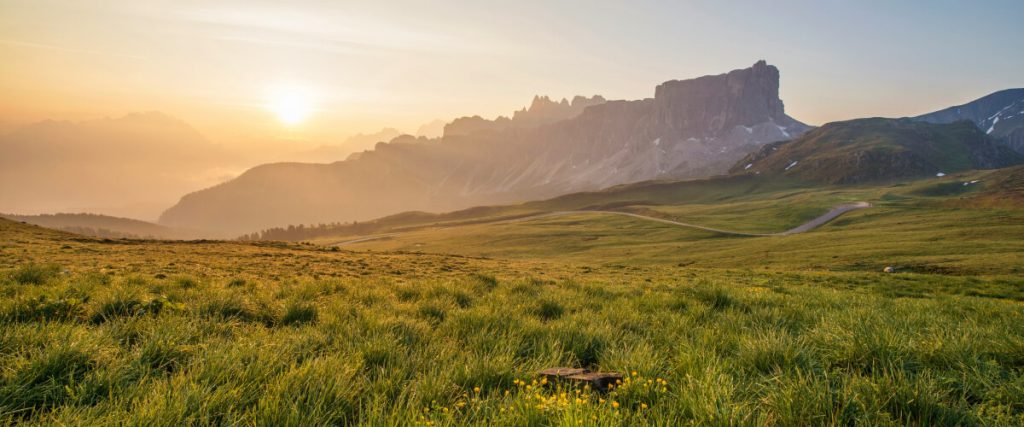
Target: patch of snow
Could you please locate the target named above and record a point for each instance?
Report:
(966, 184)
(990, 129)
(792, 164)
(748, 166)
(749, 130)
(999, 112)
(783, 130)
(975, 181)
(940, 174)
(656, 141)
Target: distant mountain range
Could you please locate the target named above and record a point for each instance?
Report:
(878, 149)
(540, 112)
(732, 123)
(103, 226)
(129, 166)
(986, 133)
(1000, 115)
(354, 144)
(691, 128)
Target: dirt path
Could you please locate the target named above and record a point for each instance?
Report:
(805, 227)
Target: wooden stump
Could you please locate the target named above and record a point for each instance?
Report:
(598, 381)
(561, 373)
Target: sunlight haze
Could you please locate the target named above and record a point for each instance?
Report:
(531, 213)
(404, 63)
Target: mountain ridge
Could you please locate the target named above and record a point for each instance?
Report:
(999, 114)
(684, 131)
(878, 150)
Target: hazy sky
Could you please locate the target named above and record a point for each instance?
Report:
(364, 65)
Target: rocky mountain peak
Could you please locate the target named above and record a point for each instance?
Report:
(712, 104)
(542, 110)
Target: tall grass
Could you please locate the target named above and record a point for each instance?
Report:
(762, 350)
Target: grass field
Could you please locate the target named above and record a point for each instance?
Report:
(928, 226)
(448, 326)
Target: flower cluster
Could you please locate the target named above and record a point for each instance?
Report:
(634, 392)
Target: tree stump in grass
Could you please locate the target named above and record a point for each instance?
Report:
(561, 373)
(596, 380)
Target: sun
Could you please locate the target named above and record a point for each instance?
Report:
(291, 104)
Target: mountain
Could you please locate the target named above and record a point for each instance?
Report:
(878, 149)
(540, 112)
(433, 129)
(103, 226)
(354, 144)
(690, 128)
(1000, 115)
(133, 166)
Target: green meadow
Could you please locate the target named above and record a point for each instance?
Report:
(448, 324)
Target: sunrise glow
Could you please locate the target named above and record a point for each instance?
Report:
(292, 105)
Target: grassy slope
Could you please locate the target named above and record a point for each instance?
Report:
(902, 230)
(794, 330)
(712, 190)
(879, 150)
(168, 333)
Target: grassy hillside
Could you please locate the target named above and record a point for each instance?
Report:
(709, 190)
(980, 227)
(171, 333)
(879, 150)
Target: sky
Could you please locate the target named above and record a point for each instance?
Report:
(316, 71)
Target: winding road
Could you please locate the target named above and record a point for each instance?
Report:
(807, 226)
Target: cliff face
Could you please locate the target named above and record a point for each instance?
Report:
(690, 128)
(710, 105)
